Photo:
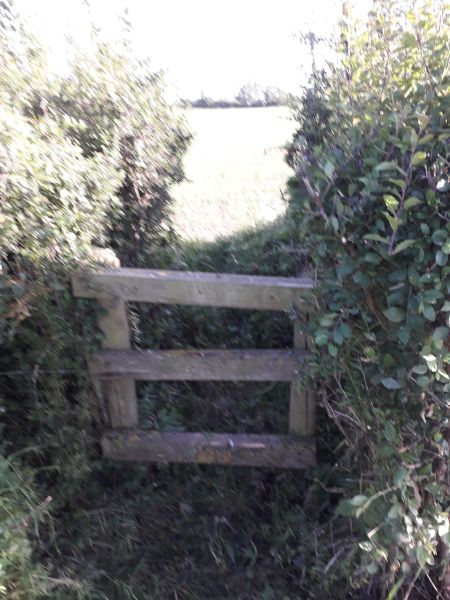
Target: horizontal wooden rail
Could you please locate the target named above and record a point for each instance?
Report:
(201, 289)
(195, 365)
(288, 452)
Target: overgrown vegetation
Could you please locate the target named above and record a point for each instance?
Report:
(89, 160)
(371, 205)
(85, 160)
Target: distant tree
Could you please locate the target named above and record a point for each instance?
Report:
(251, 94)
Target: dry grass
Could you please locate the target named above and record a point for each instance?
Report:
(235, 171)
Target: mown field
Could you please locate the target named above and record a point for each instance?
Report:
(235, 171)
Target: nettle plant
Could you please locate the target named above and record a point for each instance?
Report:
(371, 204)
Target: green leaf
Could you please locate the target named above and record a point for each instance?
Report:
(440, 334)
(441, 258)
(332, 350)
(411, 202)
(335, 223)
(439, 236)
(395, 588)
(321, 338)
(329, 169)
(403, 245)
(375, 237)
(346, 330)
(418, 158)
(358, 500)
(391, 203)
(327, 320)
(394, 314)
(426, 138)
(389, 431)
(394, 222)
(390, 383)
(345, 509)
(395, 511)
(400, 475)
(429, 313)
(424, 555)
(388, 166)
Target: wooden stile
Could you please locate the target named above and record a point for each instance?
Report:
(200, 289)
(196, 365)
(117, 367)
(302, 402)
(286, 452)
(119, 394)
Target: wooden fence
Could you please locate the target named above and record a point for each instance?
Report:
(117, 367)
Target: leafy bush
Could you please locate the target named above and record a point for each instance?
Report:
(114, 105)
(84, 159)
(371, 206)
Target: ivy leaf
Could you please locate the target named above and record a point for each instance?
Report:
(390, 383)
(394, 314)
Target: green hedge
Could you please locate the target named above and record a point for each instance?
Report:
(85, 160)
(371, 202)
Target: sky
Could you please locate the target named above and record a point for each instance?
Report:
(206, 46)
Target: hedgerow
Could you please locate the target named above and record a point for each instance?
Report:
(371, 208)
(84, 159)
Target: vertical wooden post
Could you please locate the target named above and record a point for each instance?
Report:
(119, 394)
(301, 408)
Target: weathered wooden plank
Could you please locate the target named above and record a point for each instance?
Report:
(199, 365)
(302, 402)
(288, 452)
(119, 394)
(202, 289)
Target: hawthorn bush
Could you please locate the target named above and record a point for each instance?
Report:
(371, 208)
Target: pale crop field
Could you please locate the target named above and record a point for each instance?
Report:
(235, 171)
